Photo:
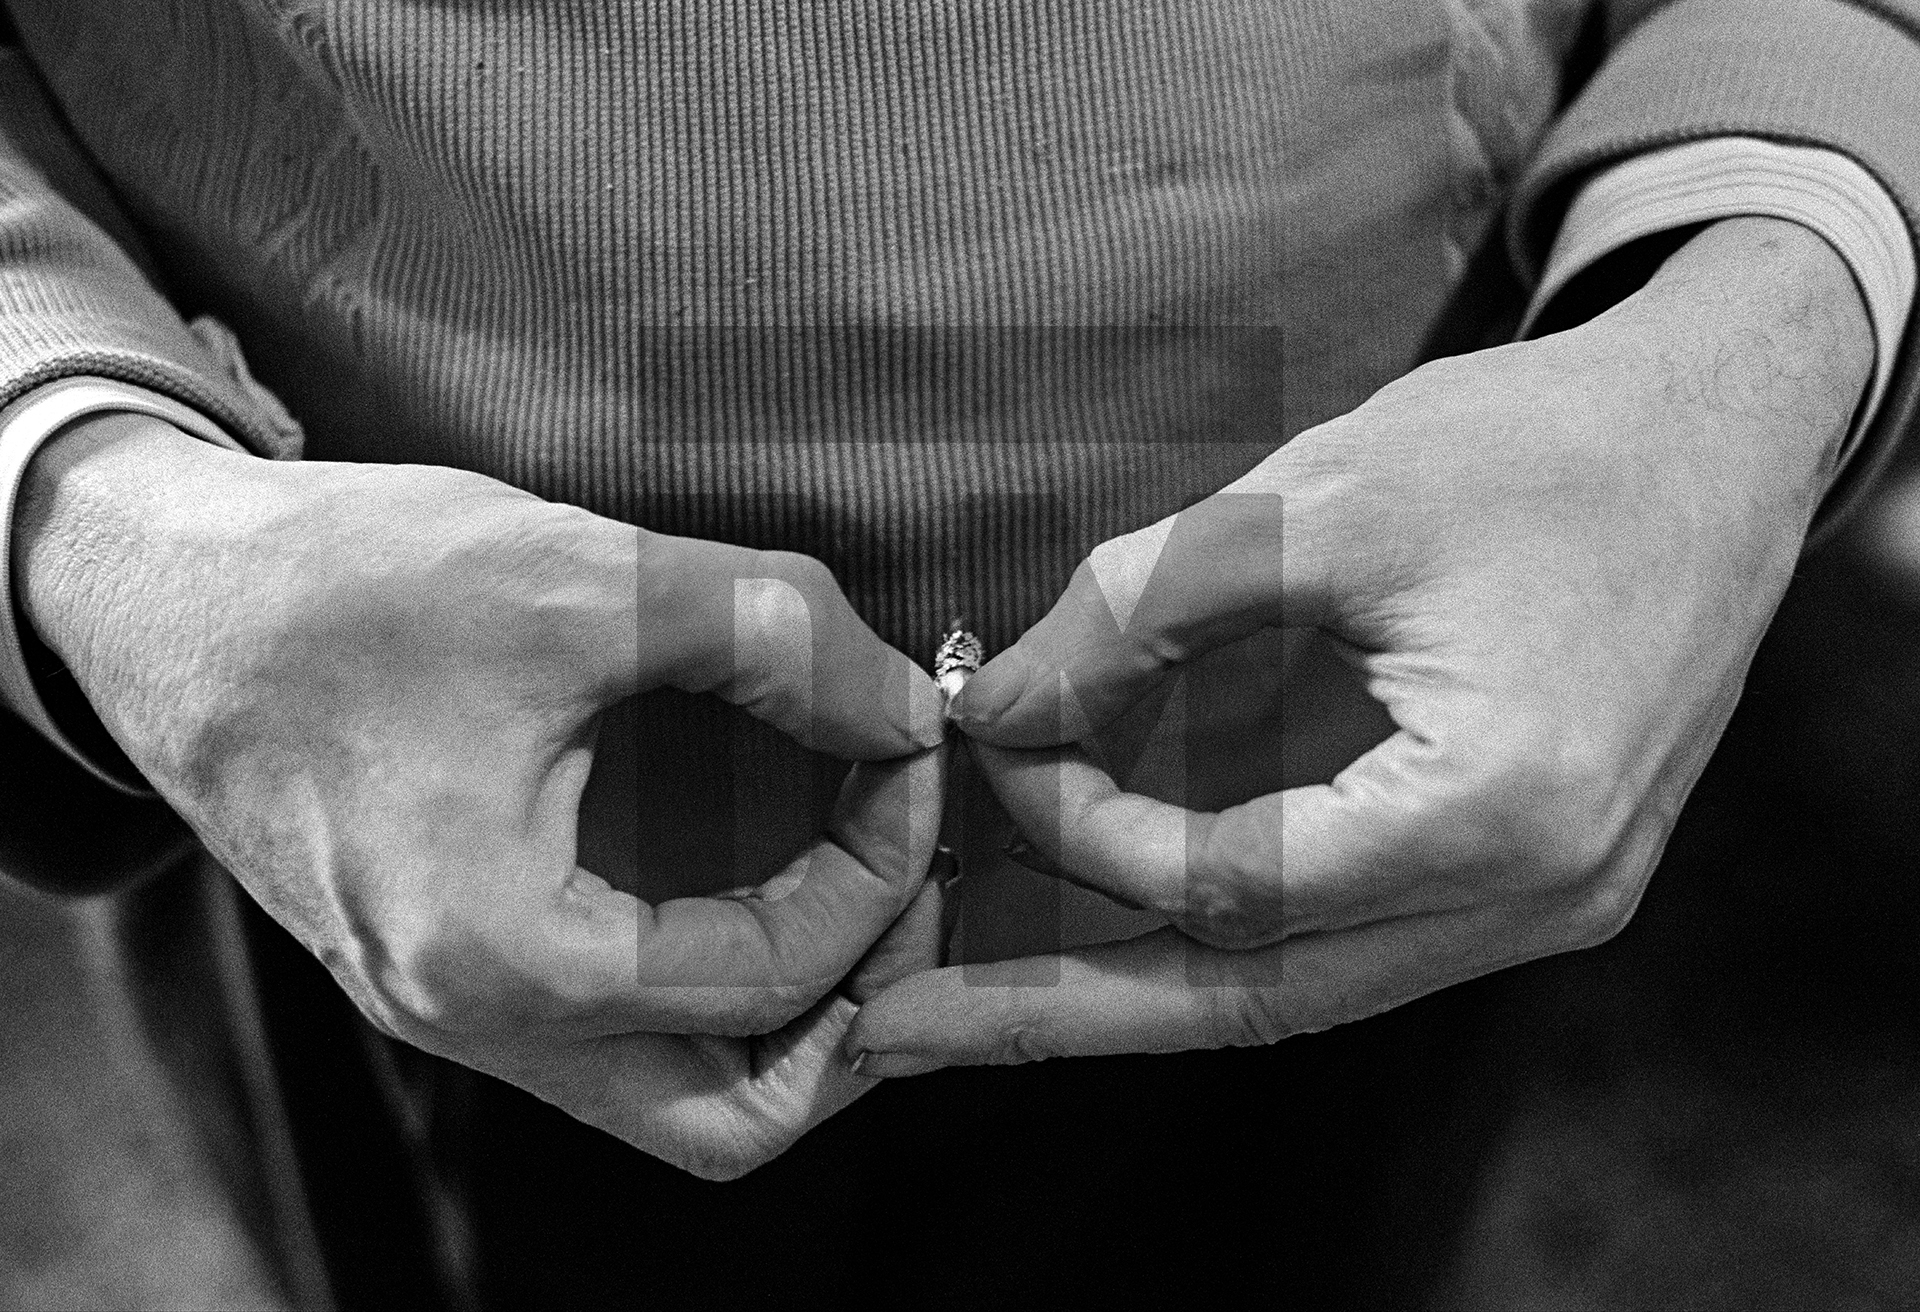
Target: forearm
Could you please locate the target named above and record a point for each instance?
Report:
(1757, 318)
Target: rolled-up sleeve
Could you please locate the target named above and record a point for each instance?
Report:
(1839, 75)
(1727, 177)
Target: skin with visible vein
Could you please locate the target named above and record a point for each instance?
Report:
(1551, 563)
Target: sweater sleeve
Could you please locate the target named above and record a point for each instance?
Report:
(1838, 74)
(77, 301)
(1681, 187)
(75, 294)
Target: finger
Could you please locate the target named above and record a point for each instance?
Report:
(1384, 838)
(772, 632)
(1164, 993)
(715, 1107)
(748, 964)
(1138, 606)
(562, 954)
(915, 942)
(900, 833)
(888, 815)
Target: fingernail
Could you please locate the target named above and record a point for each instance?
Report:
(893, 1065)
(977, 704)
(1003, 683)
(961, 714)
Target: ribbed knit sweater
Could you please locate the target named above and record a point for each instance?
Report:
(944, 293)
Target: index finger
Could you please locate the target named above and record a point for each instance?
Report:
(772, 632)
(586, 959)
(1378, 840)
(715, 1107)
(1164, 993)
(1139, 606)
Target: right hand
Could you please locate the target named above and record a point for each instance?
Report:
(372, 690)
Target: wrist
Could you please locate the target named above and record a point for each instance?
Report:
(95, 509)
(1753, 337)
(1759, 317)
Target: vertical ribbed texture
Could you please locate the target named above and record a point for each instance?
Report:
(1834, 73)
(74, 301)
(943, 291)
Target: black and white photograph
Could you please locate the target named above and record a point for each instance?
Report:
(959, 654)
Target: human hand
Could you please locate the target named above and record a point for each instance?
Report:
(373, 692)
(1552, 563)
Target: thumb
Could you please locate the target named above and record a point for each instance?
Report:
(1139, 606)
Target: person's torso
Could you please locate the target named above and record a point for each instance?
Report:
(944, 292)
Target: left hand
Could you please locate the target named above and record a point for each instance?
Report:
(1552, 561)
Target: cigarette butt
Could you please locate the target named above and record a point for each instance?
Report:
(951, 683)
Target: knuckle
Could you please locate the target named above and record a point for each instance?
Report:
(1233, 900)
(1553, 828)
(413, 1007)
(1248, 1017)
(723, 1163)
(731, 1146)
(1232, 919)
(762, 1011)
(1535, 820)
(449, 980)
(1024, 1042)
(1014, 1034)
(1598, 915)
(808, 575)
(380, 1011)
